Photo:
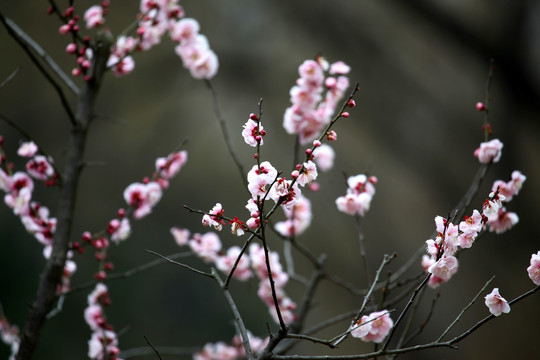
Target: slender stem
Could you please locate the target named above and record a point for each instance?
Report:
(362, 247)
(465, 309)
(225, 132)
(181, 264)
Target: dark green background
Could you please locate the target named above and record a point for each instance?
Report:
(421, 66)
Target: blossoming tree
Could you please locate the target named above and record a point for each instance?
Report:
(260, 241)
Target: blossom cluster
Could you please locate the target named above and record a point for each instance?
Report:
(360, 191)
(19, 189)
(373, 327)
(311, 108)
(441, 261)
(140, 198)
(103, 343)
(156, 18)
(221, 351)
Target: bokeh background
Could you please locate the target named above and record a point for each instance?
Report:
(421, 65)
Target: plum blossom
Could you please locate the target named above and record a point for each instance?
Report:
(310, 108)
(39, 167)
(217, 351)
(225, 263)
(511, 188)
(504, 221)
(373, 327)
(496, 303)
(27, 149)
(324, 157)
(214, 217)
(489, 151)
(534, 269)
(181, 236)
(444, 268)
(206, 246)
(359, 195)
(94, 17)
(260, 177)
(253, 133)
(143, 197)
(307, 174)
(298, 218)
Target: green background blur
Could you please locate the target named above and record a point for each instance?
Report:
(421, 65)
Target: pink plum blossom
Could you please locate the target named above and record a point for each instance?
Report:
(307, 174)
(184, 30)
(534, 269)
(142, 197)
(206, 246)
(496, 303)
(324, 157)
(444, 268)
(27, 149)
(217, 351)
(39, 167)
(378, 325)
(94, 17)
(504, 221)
(225, 263)
(489, 151)
(181, 236)
(298, 218)
(253, 133)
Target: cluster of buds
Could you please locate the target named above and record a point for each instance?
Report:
(103, 343)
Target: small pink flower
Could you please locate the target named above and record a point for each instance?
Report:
(339, 68)
(27, 149)
(252, 132)
(504, 221)
(496, 303)
(534, 268)
(226, 262)
(378, 327)
(324, 157)
(206, 246)
(308, 174)
(181, 236)
(444, 268)
(94, 17)
(489, 151)
(185, 30)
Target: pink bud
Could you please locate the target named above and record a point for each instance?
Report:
(121, 213)
(316, 143)
(71, 48)
(258, 138)
(295, 174)
(308, 151)
(100, 276)
(64, 29)
(480, 106)
(351, 103)
(76, 72)
(331, 135)
(253, 117)
(86, 236)
(345, 114)
(314, 186)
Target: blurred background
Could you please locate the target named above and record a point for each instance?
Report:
(421, 66)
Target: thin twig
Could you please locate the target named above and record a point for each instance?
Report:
(465, 309)
(130, 272)
(152, 346)
(225, 132)
(180, 264)
(9, 78)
